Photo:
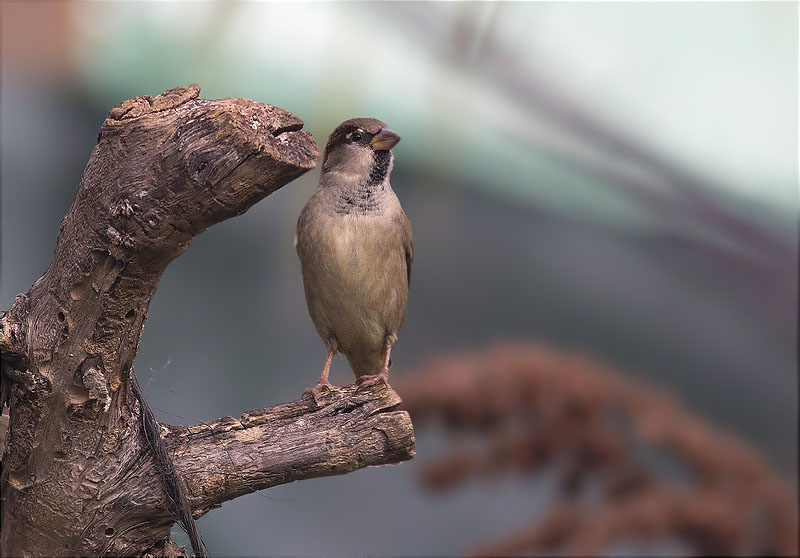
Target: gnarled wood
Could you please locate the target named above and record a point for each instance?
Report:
(78, 475)
(349, 428)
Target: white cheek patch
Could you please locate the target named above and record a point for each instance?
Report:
(359, 159)
(350, 160)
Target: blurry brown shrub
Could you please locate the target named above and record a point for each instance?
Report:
(532, 407)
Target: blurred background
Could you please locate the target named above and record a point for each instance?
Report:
(616, 181)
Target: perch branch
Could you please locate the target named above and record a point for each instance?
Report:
(349, 429)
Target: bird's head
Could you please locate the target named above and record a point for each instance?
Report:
(357, 145)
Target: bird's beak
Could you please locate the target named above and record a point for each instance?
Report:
(384, 140)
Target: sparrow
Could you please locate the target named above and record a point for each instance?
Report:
(355, 247)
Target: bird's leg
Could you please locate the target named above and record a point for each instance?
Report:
(323, 385)
(383, 375)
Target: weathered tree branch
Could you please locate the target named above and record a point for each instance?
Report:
(78, 475)
(349, 429)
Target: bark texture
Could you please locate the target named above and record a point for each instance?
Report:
(78, 475)
(347, 429)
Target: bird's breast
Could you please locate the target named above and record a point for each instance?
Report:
(358, 247)
(355, 274)
(355, 263)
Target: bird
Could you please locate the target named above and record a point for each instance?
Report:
(355, 247)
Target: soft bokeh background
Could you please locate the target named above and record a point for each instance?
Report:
(614, 179)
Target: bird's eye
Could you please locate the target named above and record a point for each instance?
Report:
(356, 136)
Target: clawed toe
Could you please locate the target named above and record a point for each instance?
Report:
(318, 390)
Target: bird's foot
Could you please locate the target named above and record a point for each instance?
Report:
(319, 389)
(374, 379)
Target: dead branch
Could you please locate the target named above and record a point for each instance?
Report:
(349, 429)
(78, 475)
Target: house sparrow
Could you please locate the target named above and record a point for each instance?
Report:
(355, 248)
